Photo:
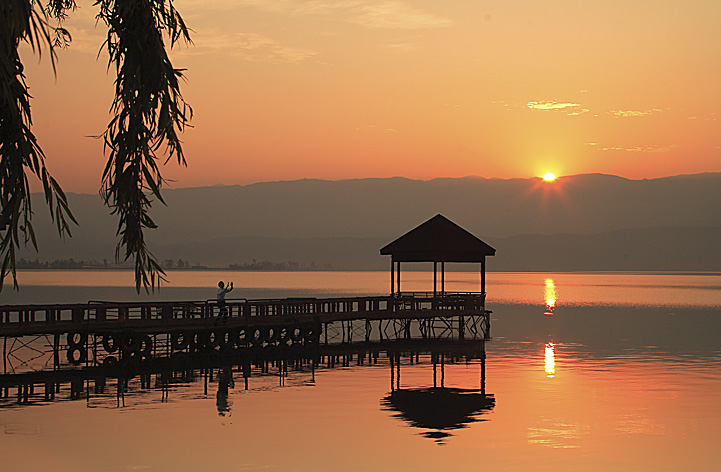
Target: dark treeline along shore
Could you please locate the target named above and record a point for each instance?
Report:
(168, 264)
(583, 222)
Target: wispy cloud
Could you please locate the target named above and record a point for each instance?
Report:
(550, 105)
(707, 117)
(372, 14)
(395, 15)
(247, 46)
(402, 47)
(376, 128)
(569, 108)
(637, 149)
(388, 14)
(87, 37)
(574, 108)
(634, 113)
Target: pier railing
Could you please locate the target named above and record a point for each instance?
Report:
(44, 318)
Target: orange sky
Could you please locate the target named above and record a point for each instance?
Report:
(377, 88)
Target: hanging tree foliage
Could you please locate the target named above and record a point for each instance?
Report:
(148, 114)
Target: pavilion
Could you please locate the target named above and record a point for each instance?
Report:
(438, 240)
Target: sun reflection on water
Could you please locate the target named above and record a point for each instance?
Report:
(557, 433)
(550, 296)
(550, 357)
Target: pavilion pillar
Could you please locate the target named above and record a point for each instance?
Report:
(483, 275)
(435, 278)
(398, 278)
(393, 265)
(443, 277)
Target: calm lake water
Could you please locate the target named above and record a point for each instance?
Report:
(624, 374)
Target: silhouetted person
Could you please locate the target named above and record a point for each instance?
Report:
(225, 381)
(222, 290)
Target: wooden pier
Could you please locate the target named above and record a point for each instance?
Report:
(52, 344)
(152, 317)
(96, 332)
(50, 348)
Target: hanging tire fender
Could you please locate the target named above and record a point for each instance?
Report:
(110, 342)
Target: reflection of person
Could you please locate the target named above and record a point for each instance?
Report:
(222, 290)
(225, 381)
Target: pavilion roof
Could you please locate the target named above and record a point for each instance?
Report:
(438, 240)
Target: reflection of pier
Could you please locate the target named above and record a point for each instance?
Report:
(114, 381)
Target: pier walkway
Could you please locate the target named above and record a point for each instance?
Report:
(38, 337)
(152, 317)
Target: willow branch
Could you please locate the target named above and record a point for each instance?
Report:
(148, 115)
(20, 153)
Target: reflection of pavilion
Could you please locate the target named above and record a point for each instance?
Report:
(439, 409)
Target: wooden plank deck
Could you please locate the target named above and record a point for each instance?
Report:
(99, 316)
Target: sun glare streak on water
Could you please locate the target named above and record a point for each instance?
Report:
(550, 359)
(550, 296)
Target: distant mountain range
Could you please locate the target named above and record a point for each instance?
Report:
(582, 222)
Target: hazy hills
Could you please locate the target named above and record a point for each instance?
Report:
(584, 222)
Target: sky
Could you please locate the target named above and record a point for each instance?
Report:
(285, 90)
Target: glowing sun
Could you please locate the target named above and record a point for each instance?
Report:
(549, 177)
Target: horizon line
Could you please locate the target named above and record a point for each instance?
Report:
(398, 177)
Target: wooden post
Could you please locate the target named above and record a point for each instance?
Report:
(398, 370)
(166, 311)
(78, 314)
(393, 265)
(435, 278)
(398, 278)
(391, 355)
(483, 371)
(56, 351)
(443, 371)
(443, 278)
(483, 275)
(434, 359)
